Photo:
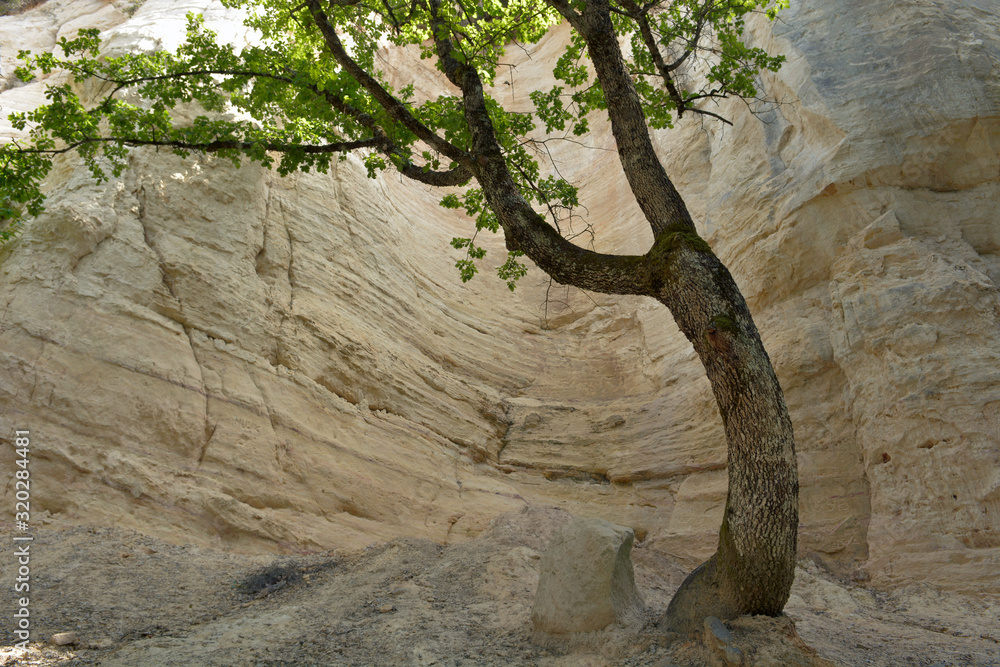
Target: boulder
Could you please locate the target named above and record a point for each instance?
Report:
(586, 581)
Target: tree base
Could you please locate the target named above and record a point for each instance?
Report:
(701, 595)
(748, 641)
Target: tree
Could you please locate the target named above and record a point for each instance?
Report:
(310, 92)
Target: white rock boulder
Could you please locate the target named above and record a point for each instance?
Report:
(586, 581)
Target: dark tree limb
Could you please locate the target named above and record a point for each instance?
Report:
(640, 17)
(457, 176)
(214, 146)
(396, 109)
(706, 112)
(655, 193)
(524, 229)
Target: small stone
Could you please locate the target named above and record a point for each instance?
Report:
(717, 630)
(64, 639)
(397, 591)
(732, 655)
(386, 608)
(719, 640)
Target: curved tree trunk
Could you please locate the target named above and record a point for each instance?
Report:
(752, 571)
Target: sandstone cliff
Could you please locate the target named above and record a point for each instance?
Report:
(227, 357)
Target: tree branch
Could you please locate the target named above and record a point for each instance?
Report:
(564, 8)
(655, 193)
(712, 114)
(636, 13)
(457, 176)
(396, 109)
(214, 146)
(693, 44)
(524, 229)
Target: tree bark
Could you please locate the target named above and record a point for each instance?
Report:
(752, 570)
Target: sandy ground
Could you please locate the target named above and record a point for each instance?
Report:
(135, 601)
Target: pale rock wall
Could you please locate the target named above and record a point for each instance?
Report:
(225, 356)
(885, 213)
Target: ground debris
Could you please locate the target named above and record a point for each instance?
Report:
(413, 602)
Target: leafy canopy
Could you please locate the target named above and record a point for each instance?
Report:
(311, 89)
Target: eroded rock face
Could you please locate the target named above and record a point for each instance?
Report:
(225, 356)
